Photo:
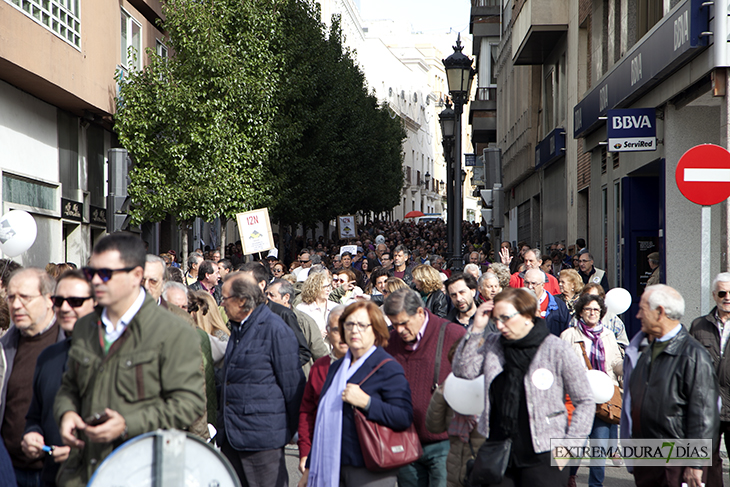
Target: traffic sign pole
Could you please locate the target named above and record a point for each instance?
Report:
(706, 245)
(703, 177)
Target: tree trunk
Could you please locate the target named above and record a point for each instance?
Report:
(184, 227)
(282, 248)
(224, 235)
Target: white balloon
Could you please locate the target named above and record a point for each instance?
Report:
(618, 300)
(601, 385)
(465, 396)
(18, 231)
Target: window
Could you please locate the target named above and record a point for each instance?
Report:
(35, 194)
(161, 49)
(131, 54)
(62, 17)
(549, 103)
(493, 55)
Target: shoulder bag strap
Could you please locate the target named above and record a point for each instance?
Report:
(375, 370)
(439, 351)
(585, 355)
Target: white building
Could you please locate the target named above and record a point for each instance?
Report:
(405, 70)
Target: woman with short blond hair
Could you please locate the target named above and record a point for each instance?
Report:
(429, 285)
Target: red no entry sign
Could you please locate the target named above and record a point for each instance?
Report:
(703, 174)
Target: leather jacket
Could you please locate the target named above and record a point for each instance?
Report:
(438, 304)
(704, 330)
(677, 396)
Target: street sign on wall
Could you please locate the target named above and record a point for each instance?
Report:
(703, 174)
(631, 130)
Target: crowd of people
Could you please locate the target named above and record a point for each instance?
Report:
(262, 353)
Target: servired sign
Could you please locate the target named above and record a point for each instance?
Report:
(631, 130)
(703, 174)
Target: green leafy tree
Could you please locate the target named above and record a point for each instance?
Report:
(199, 124)
(341, 152)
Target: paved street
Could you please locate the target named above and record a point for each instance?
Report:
(615, 476)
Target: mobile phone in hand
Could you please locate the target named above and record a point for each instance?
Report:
(96, 419)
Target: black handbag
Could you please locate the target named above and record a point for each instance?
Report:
(490, 463)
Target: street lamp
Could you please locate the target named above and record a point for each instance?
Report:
(447, 119)
(459, 74)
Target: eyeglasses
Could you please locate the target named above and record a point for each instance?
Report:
(583, 261)
(721, 294)
(223, 298)
(561, 249)
(504, 319)
(531, 284)
(24, 299)
(303, 261)
(332, 329)
(592, 310)
(74, 302)
(351, 325)
(104, 274)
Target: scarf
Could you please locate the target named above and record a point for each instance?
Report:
(597, 356)
(518, 355)
(324, 464)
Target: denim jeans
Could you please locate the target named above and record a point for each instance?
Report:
(601, 431)
(427, 471)
(28, 478)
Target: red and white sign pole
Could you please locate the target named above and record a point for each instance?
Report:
(703, 177)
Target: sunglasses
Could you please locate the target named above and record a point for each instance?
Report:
(104, 274)
(721, 294)
(74, 302)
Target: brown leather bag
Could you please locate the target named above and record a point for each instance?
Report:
(610, 411)
(382, 448)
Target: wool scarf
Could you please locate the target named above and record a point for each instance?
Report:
(598, 351)
(518, 355)
(325, 456)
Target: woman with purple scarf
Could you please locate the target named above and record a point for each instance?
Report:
(603, 353)
(385, 398)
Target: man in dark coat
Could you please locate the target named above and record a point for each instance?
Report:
(261, 389)
(674, 392)
(72, 299)
(260, 275)
(712, 331)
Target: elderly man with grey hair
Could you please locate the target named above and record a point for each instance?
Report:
(420, 342)
(194, 260)
(282, 291)
(154, 276)
(712, 331)
(533, 260)
(673, 389)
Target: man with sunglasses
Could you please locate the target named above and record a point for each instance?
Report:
(132, 365)
(73, 299)
(713, 331)
(305, 262)
(34, 328)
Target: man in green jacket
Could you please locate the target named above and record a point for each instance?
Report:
(131, 362)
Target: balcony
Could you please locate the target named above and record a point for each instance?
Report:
(537, 30)
(483, 115)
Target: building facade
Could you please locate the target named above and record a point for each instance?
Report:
(561, 67)
(57, 89)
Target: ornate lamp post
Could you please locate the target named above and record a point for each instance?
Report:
(447, 119)
(459, 74)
